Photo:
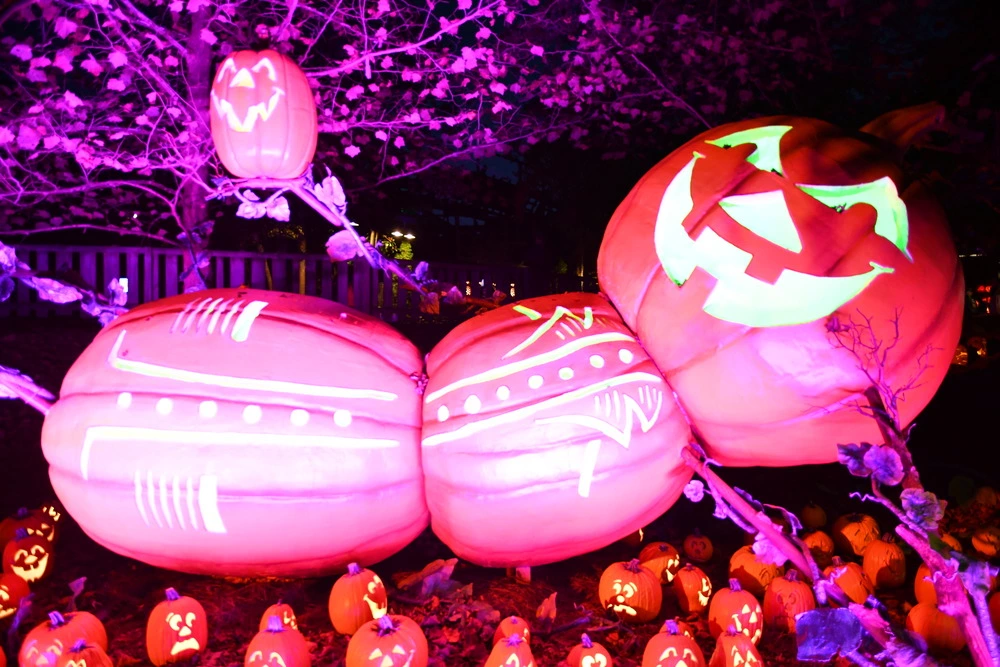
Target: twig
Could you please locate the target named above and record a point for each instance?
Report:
(583, 620)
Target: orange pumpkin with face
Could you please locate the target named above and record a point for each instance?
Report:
(284, 612)
(84, 654)
(672, 647)
(753, 574)
(785, 598)
(390, 641)
(735, 649)
(357, 598)
(693, 589)
(631, 591)
(662, 559)
(512, 625)
(35, 522)
(852, 533)
(730, 256)
(738, 608)
(263, 115)
(277, 646)
(13, 589)
(28, 556)
(511, 652)
(49, 640)
(177, 629)
(589, 653)
(698, 548)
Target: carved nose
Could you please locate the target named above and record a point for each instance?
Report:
(243, 79)
(185, 631)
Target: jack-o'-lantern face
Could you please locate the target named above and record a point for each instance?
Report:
(183, 627)
(739, 656)
(396, 656)
(376, 598)
(748, 621)
(757, 283)
(673, 656)
(12, 590)
(27, 557)
(253, 92)
(42, 654)
(272, 659)
(624, 591)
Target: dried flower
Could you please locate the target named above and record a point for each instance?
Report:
(885, 464)
(853, 456)
(922, 508)
(694, 491)
(766, 552)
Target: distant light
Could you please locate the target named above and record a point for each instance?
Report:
(409, 236)
(354, 224)
(135, 215)
(124, 283)
(397, 233)
(975, 254)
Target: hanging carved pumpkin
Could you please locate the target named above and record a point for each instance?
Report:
(357, 598)
(820, 546)
(852, 533)
(987, 541)
(671, 647)
(588, 654)
(390, 641)
(28, 556)
(851, 578)
(885, 563)
(219, 446)
(263, 115)
(177, 629)
(662, 559)
(631, 591)
(735, 649)
(753, 574)
(84, 654)
(813, 516)
(698, 548)
(512, 625)
(942, 632)
(511, 652)
(729, 258)
(550, 402)
(786, 597)
(277, 646)
(284, 612)
(35, 522)
(13, 589)
(48, 640)
(738, 608)
(693, 589)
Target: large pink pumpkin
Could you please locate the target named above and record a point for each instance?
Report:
(729, 258)
(548, 433)
(242, 432)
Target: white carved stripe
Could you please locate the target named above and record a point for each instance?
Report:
(208, 503)
(138, 498)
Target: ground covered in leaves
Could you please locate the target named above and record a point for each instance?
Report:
(459, 607)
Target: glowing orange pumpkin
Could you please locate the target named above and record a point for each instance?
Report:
(785, 598)
(84, 654)
(263, 115)
(356, 598)
(177, 629)
(738, 608)
(224, 432)
(549, 403)
(48, 640)
(820, 546)
(852, 533)
(631, 590)
(672, 647)
(13, 589)
(942, 632)
(28, 556)
(512, 625)
(693, 589)
(511, 652)
(885, 563)
(698, 548)
(281, 610)
(735, 649)
(753, 574)
(390, 641)
(38, 522)
(662, 559)
(589, 653)
(851, 579)
(277, 645)
(730, 256)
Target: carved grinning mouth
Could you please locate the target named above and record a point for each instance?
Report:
(190, 644)
(261, 110)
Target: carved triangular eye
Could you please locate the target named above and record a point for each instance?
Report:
(256, 655)
(265, 63)
(376, 653)
(398, 650)
(669, 652)
(276, 659)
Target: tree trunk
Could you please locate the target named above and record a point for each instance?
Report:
(192, 207)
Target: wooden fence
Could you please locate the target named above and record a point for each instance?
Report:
(154, 273)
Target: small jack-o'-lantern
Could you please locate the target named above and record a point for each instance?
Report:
(672, 647)
(277, 645)
(36, 522)
(177, 629)
(28, 556)
(852, 533)
(589, 653)
(813, 516)
(786, 597)
(693, 588)
(13, 589)
(263, 115)
(698, 548)
(511, 652)
(820, 546)
(885, 563)
(84, 654)
(390, 641)
(987, 541)
(986, 495)
(738, 608)
(753, 574)
(631, 591)
(48, 640)
(357, 598)
(851, 579)
(512, 625)
(283, 611)
(734, 649)
(942, 632)
(662, 559)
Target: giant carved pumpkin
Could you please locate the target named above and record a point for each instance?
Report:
(548, 433)
(242, 432)
(263, 115)
(730, 257)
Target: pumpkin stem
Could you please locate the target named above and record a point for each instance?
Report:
(22, 513)
(734, 585)
(837, 561)
(79, 645)
(274, 624)
(585, 641)
(385, 626)
(671, 628)
(21, 534)
(171, 595)
(353, 569)
(514, 640)
(56, 620)
(731, 631)
(633, 565)
(888, 538)
(792, 575)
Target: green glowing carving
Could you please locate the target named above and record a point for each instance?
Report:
(767, 139)
(766, 215)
